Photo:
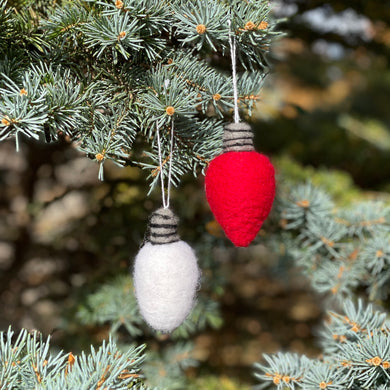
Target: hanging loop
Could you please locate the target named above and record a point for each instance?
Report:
(233, 55)
(165, 197)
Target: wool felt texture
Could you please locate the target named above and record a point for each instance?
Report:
(240, 189)
(237, 137)
(166, 277)
(162, 227)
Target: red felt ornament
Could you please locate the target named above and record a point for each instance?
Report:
(240, 185)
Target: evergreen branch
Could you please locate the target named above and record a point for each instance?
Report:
(66, 23)
(166, 96)
(357, 355)
(111, 136)
(165, 370)
(26, 362)
(201, 22)
(114, 303)
(12, 64)
(337, 249)
(285, 371)
(19, 116)
(304, 201)
(118, 34)
(365, 218)
(137, 62)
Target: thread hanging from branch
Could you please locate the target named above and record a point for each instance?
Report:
(166, 273)
(233, 55)
(17, 140)
(170, 164)
(165, 199)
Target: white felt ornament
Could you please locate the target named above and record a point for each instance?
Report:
(166, 274)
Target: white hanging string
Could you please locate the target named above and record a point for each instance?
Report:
(161, 166)
(232, 43)
(17, 140)
(170, 165)
(165, 200)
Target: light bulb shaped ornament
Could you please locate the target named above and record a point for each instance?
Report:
(240, 185)
(166, 274)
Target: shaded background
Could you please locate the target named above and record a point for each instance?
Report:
(323, 115)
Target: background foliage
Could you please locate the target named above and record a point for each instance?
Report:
(66, 239)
